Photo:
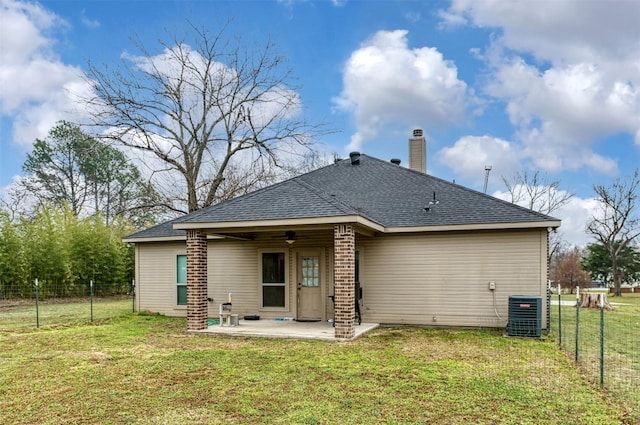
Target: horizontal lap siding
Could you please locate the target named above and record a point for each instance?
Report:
(410, 279)
(233, 267)
(442, 279)
(157, 277)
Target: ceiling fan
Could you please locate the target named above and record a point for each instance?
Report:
(289, 235)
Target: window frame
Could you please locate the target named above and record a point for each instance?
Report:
(262, 284)
(179, 284)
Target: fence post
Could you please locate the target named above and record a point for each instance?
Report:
(577, 321)
(601, 342)
(91, 298)
(133, 295)
(37, 307)
(559, 316)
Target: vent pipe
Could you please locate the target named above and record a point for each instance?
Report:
(418, 152)
(355, 158)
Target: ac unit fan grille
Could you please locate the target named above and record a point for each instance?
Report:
(525, 316)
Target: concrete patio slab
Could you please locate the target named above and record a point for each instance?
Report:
(267, 328)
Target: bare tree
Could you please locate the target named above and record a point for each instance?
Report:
(617, 222)
(18, 202)
(538, 193)
(208, 113)
(568, 271)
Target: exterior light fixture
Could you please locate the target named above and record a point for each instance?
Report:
(291, 237)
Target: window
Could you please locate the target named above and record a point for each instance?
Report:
(181, 279)
(273, 279)
(310, 271)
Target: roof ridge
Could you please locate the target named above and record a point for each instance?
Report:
(375, 189)
(251, 194)
(464, 188)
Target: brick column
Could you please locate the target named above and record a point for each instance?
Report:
(197, 310)
(344, 246)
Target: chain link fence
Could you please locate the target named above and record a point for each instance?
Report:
(605, 343)
(42, 306)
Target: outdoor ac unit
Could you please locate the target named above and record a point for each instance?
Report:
(525, 316)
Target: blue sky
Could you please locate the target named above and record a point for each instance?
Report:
(520, 85)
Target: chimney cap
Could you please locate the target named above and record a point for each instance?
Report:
(355, 157)
(417, 132)
(396, 161)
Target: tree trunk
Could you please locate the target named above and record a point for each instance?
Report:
(594, 300)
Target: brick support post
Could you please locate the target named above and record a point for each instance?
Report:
(197, 309)
(344, 246)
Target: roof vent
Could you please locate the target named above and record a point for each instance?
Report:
(355, 158)
(432, 203)
(395, 161)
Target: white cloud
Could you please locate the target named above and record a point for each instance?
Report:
(562, 112)
(183, 64)
(557, 31)
(575, 216)
(413, 17)
(89, 23)
(580, 87)
(385, 81)
(37, 89)
(23, 28)
(469, 155)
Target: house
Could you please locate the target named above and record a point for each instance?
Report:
(421, 251)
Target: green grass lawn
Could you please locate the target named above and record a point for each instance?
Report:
(143, 369)
(621, 344)
(21, 316)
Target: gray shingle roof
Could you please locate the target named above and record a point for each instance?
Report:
(162, 230)
(385, 193)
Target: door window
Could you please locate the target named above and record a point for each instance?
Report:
(310, 271)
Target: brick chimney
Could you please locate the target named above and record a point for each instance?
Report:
(418, 152)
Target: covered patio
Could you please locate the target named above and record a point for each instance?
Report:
(323, 331)
(291, 280)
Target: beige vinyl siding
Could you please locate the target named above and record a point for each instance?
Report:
(233, 266)
(156, 277)
(442, 279)
(438, 279)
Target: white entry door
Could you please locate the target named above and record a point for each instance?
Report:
(310, 284)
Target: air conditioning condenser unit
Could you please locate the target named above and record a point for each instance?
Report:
(525, 316)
